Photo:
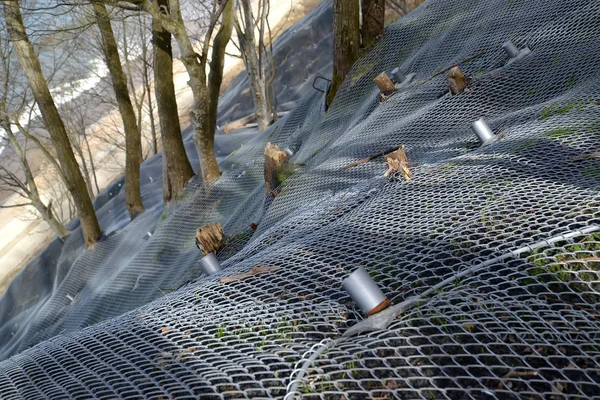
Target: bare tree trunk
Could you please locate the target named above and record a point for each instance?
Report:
(133, 154)
(255, 70)
(148, 85)
(53, 122)
(177, 169)
(373, 22)
(150, 106)
(84, 168)
(93, 167)
(216, 78)
(346, 41)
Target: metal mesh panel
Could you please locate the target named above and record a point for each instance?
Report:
(493, 322)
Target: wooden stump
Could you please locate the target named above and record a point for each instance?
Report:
(275, 160)
(210, 238)
(384, 83)
(457, 81)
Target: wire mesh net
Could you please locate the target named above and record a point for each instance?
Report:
(499, 243)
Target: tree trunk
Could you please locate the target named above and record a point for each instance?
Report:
(53, 122)
(210, 168)
(177, 168)
(346, 41)
(92, 166)
(373, 22)
(151, 107)
(253, 68)
(133, 143)
(148, 85)
(86, 172)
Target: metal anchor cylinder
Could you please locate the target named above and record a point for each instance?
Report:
(210, 265)
(398, 76)
(365, 292)
(483, 131)
(510, 49)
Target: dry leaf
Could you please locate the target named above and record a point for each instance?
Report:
(391, 385)
(164, 330)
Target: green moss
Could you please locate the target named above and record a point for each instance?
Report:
(559, 133)
(522, 145)
(164, 215)
(284, 173)
(362, 70)
(567, 264)
(448, 166)
(560, 109)
(592, 173)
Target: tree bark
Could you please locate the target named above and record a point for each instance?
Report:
(177, 168)
(253, 65)
(373, 22)
(93, 167)
(84, 168)
(215, 79)
(133, 143)
(53, 122)
(346, 41)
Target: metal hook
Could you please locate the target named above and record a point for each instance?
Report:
(315, 81)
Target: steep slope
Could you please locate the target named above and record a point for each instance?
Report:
(499, 243)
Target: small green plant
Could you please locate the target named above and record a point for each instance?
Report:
(164, 215)
(448, 166)
(571, 81)
(560, 109)
(559, 133)
(220, 331)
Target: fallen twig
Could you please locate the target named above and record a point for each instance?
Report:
(252, 272)
(374, 156)
(582, 260)
(585, 156)
(478, 54)
(514, 374)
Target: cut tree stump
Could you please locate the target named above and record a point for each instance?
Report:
(210, 238)
(384, 83)
(397, 162)
(457, 81)
(275, 160)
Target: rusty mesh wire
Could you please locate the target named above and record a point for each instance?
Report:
(500, 244)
